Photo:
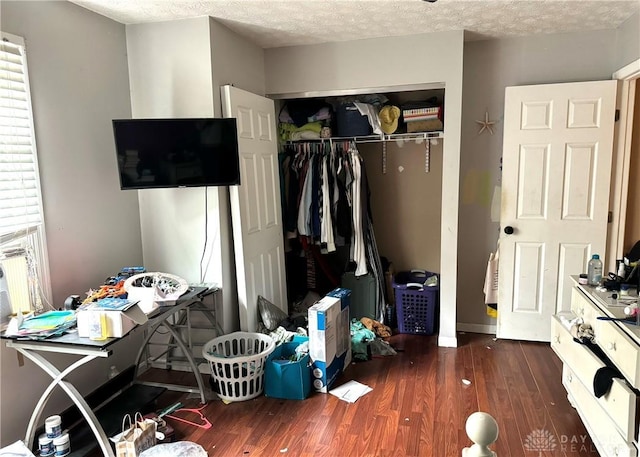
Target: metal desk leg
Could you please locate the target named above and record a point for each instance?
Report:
(183, 347)
(197, 306)
(209, 314)
(71, 391)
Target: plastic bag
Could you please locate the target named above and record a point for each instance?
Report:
(177, 449)
(271, 315)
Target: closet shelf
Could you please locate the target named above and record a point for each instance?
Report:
(377, 138)
(418, 137)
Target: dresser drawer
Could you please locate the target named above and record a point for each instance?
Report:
(621, 349)
(602, 431)
(583, 307)
(619, 403)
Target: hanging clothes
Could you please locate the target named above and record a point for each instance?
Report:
(327, 207)
(490, 288)
(326, 236)
(357, 244)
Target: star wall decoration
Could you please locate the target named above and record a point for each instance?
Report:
(486, 124)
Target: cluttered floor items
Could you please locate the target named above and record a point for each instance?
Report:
(294, 355)
(272, 424)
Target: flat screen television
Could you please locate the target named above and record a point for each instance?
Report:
(161, 153)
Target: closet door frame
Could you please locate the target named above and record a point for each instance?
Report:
(450, 192)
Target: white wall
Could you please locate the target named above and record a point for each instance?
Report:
(386, 62)
(79, 83)
(176, 69)
(490, 67)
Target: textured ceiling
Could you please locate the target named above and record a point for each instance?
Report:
(274, 23)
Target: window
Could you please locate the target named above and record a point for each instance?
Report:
(22, 243)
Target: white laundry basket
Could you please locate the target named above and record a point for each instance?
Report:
(237, 363)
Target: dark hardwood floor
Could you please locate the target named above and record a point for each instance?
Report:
(418, 406)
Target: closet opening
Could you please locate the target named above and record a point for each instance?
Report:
(401, 197)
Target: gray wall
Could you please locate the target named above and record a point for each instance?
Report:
(245, 73)
(79, 83)
(628, 42)
(176, 70)
(490, 67)
(170, 76)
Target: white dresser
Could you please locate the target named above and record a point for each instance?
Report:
(612, 419)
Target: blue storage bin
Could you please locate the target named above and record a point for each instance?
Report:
(350, 122)
(287, 379)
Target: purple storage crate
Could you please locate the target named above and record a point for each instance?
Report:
(416, 303)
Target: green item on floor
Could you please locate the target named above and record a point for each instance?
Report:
(360, 338)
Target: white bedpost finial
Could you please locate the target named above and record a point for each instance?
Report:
(482, 429)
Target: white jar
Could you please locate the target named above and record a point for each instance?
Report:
(45, 444)
(53, 426)
(62, 445)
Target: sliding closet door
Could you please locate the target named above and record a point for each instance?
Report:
(255, 205)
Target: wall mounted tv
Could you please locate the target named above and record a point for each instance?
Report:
(161, 153)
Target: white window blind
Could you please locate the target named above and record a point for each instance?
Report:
(20, 200)
(23, 248)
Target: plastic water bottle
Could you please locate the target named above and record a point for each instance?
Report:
(594, 271)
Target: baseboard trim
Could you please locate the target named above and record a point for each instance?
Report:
(476, 328)
(448, 341)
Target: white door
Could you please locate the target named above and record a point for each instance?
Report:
(557, 150)
(255, 205)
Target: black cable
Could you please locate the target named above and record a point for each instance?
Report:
(206, 230)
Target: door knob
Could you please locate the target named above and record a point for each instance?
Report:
(508, 230)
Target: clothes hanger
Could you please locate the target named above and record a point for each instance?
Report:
(205, 424)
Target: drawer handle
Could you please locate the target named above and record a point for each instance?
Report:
(570, 377)
(556, 339)
(612, 346)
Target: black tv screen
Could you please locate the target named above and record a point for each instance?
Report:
(157, 153)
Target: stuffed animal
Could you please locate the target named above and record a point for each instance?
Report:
(583, 332)
(376, 327)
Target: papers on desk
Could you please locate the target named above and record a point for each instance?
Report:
(51, 323)
(110, 304)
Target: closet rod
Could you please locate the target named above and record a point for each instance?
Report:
(375, 138)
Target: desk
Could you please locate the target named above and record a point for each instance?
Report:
(172, 318)
(70, 343)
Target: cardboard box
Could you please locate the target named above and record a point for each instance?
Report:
(119, 323)
(285, 378)
(329, 338)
